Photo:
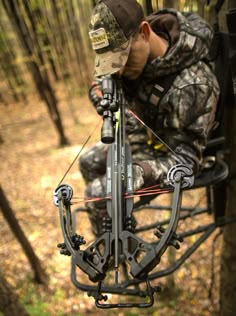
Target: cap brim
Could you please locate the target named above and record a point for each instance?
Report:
(110, 62)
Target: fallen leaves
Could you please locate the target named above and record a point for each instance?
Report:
(31, 167)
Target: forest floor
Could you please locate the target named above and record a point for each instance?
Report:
(31, 167)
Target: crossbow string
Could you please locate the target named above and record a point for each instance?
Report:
(152, 190)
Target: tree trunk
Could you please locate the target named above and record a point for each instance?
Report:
(201, 8)
(170, 4)
(30, 46)
(149, 8)
(9, 301)
(228, 260)
(1, 138)
(39, 273)
(94, 3)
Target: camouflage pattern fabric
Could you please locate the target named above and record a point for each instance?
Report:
(109, 42)
(184, 117)
(92, 165)
(115, 36)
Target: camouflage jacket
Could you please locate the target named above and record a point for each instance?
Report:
(184, 116)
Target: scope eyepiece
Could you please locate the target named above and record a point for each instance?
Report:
(107, 131)
(107, 86)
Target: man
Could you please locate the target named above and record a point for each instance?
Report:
(166, 51)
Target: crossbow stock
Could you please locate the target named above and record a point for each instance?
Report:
(119, 245)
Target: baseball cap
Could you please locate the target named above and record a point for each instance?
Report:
(111, 27)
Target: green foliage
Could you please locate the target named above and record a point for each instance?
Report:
(3, 38)
(37, 309)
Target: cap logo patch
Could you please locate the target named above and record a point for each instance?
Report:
(99, 39)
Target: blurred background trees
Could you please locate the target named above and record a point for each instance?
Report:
(44, 43)
(44, 47)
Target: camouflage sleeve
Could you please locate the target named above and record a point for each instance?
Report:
(138, 139)
(187, 125)
(95, 92)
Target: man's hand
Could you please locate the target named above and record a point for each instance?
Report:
(95, 94)
(138, 179)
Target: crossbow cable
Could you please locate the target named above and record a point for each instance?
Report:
(119, 244)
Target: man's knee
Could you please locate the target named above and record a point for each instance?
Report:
(96, 189)
(97, 210)
(92, 163)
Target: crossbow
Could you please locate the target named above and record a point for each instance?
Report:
(119, 245)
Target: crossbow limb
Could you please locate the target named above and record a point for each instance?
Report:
(119, 244)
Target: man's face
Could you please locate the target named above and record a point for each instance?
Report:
(138, 57)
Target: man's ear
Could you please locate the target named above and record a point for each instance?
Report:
(145, 30)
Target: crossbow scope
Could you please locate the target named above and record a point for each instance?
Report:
(107, 107)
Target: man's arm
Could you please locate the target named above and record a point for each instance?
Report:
(187, 127)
